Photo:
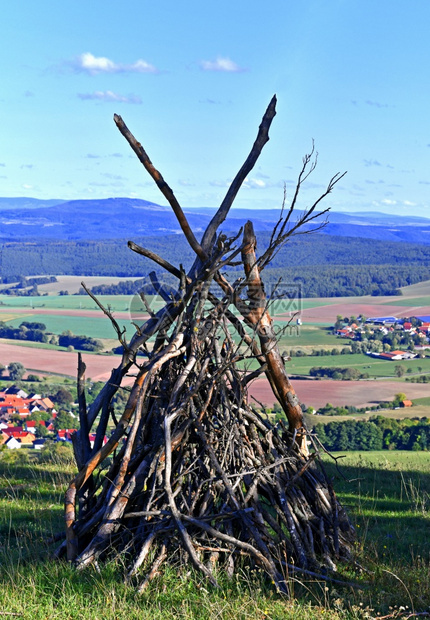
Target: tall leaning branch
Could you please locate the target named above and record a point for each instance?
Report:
(191, 472)
(261, 139)
(165, 189)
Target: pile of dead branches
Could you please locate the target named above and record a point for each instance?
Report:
(192, 471)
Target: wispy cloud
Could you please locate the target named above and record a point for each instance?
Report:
(370, 102)
(221, 64)
(186, 183)
(2, 165)
(254, 183)
(88, 63)
(92, 156)
(371, 162)
(28, 166)
(217, 183)
(28, 93)
(109, 96)
(377, 104)
(114, 177)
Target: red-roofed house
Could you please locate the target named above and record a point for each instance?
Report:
(13, 431)
(65, 434)
(92, 437)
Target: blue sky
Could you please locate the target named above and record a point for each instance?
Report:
(192, 80)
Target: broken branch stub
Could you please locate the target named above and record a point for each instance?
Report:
(191, 470)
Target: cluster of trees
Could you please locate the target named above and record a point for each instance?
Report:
(84, 343)
(420, 379)
(26, 331)
(347, 266)
(378, 433)
(24, 286)
(318, 352)
(332, 410)
(36, 332)
(126, 287)
(377, 341)
(340, 374)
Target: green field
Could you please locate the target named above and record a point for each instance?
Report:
(68, 302)
(387, 495)
(418, 289)
(308, 336)
(374, 367)
(97, 327)
(421, 410)
(414, 301)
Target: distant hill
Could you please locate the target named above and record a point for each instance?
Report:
(27, 203)
(116, 218)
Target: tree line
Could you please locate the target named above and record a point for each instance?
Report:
(347, 266)
(377, 433)
(36, 332)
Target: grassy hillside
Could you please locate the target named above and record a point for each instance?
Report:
(387, 496)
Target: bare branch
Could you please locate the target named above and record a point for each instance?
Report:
(262, 138)
(161, 184)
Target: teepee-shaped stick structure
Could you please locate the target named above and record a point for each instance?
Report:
(191, 471)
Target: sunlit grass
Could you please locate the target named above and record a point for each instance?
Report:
(386, 495)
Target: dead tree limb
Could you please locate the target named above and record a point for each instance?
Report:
(191, 472)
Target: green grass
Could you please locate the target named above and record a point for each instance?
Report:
(373, 366)
(308, 336)
(420, 288)
(96, 327)
(414, 301)
(422, 401)
(422, 410)
(33, 345)
(70, 302)
(386, 494)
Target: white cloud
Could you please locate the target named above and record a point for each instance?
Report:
(186, 183)
(88, 63)
(386, 201)
(254, 183)
(25, 186)
(408, 203)
(217, 183)
(109, 96)
(221, 64)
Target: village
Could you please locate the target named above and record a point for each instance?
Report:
(30, 420)
(381, 337)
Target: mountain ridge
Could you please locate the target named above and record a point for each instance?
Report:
(113, 218)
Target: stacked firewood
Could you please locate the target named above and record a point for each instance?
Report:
(192, 471)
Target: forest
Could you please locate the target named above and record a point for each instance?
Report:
(377, 433)
(346, 266)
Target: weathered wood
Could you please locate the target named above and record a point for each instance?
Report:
(194, 472)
